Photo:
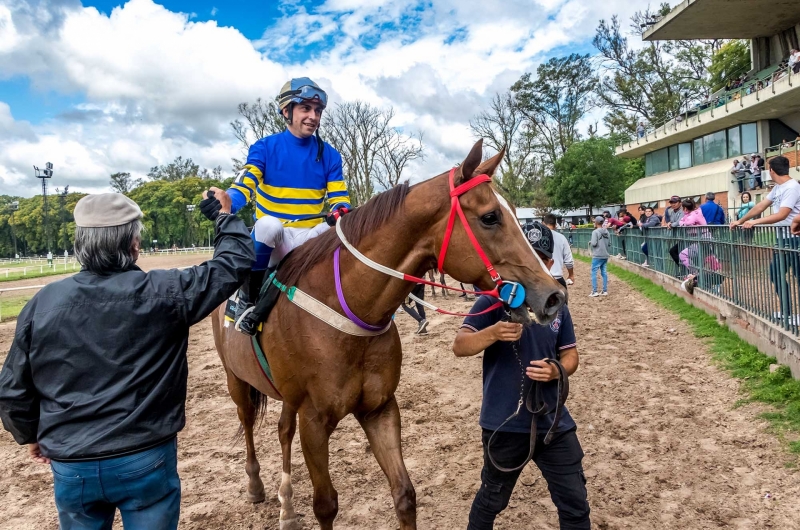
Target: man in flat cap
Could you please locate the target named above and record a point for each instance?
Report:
(95, 382)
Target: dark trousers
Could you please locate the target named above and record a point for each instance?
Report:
(419, 314)
(144, 487)
(560, 464)
(782, 263)
(562, 281)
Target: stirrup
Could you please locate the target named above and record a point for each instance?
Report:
(237, 325)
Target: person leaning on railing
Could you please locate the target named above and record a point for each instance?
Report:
(785, 197)
(651, 220)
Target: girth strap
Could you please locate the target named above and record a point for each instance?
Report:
(538, 409)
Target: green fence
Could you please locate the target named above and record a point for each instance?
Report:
(756, 269)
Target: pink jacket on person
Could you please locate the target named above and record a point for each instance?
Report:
(693, 218)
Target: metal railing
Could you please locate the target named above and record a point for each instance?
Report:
(694, 115)
(756, 269)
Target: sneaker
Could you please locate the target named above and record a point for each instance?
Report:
(688, 284)
(645, 264)
(623, 258)
(423, 328)
(594, 294)
(400, 310)
(604, 293)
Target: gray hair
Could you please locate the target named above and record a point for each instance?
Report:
(107, 249)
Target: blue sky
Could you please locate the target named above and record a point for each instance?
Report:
(105, 86)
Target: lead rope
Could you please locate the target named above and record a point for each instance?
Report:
(515, 414)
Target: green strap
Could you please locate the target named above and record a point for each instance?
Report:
(262, 359)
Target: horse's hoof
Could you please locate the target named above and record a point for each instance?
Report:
(255, 498)
(290, 524)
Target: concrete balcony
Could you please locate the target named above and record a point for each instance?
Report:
(780, 99)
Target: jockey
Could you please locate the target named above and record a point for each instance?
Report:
(289, 175)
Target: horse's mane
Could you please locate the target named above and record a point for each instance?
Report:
(356, 225)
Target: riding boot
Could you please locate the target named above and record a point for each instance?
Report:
(250, 321)
(248, 292)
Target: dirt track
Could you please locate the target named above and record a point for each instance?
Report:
(665, 447)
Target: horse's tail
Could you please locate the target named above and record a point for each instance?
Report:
(259, 402)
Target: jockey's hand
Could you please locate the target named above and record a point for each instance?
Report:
(215, 201)
(336, 214)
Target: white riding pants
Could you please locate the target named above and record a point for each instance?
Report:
(283, 239)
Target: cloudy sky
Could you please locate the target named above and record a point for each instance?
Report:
(103, 86)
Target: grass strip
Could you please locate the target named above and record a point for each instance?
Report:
(740, 358)
(36, 274)
(11, 305)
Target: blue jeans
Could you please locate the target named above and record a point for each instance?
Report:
(144, 486)
(599, 264)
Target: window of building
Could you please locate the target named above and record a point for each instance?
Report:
(714, 146)
(660, 161)
(749, 138)
(684, 155)
(734, 142)
(673, 158)
(697, 147)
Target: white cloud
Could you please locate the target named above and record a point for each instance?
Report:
(159, 84)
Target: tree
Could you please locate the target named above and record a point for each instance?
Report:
(177, 170)
(373, 152)
(123, 182)
(260, 119)
(505, 126)
(589, 174)
(652, 83)
(730, 61)
(555, 102)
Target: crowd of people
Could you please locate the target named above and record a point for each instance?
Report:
(747, 172)
(702, 266)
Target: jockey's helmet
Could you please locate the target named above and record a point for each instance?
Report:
(301, 89)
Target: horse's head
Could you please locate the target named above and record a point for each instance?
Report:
(494, 223)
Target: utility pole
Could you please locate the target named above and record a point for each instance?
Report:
(44, 175)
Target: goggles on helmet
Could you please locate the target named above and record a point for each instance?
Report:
(305, 93)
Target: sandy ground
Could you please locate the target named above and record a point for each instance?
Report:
(665, 446)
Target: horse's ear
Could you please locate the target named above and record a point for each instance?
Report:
(471, 163)
(490, 165)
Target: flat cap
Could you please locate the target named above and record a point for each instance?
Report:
(105, 209)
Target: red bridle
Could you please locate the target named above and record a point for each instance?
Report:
(455, 208)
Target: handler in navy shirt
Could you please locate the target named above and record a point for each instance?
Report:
(560, 461)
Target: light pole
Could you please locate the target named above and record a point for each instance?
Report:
(13, 207)
(44, 175)
(189, 210)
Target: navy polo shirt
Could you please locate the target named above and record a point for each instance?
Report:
(501, 373)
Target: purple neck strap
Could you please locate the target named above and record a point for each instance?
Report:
(339, 293)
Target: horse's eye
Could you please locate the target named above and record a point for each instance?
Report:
(490, 219)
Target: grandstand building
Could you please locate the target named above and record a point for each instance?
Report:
(694, 152)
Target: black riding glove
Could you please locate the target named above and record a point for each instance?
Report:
(210, 207)
(336, 214)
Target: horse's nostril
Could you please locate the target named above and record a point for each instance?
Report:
(554, 303)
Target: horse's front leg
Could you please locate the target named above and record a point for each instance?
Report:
(315, 432)
(286, 430)
(382, 427)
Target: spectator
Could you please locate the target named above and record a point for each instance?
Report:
(713, 212)
(642, 214)
(692, 216)
(747, 205)
(562, 254)
(640, 130)
(622, 223)
(786, 144)
(794, 61)
(739, 172)
(756, 166)
(785, 197)
(599, 247)
(673, 214)
(651, 221)
(419, 314)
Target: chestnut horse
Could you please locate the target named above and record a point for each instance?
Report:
(323, 374)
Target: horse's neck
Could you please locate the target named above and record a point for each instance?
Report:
(406, 244)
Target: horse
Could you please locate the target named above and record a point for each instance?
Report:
(322, 374)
